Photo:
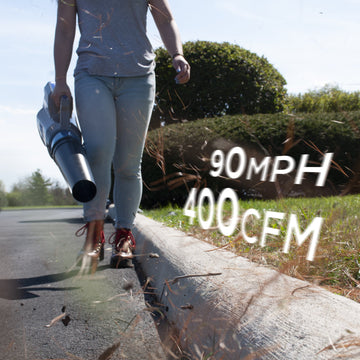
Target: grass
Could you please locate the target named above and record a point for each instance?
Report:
(336, 265)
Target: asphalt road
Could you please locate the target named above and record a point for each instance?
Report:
(99, 317)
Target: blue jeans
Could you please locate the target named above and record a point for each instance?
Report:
(114, 115)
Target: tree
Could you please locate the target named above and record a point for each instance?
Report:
(33, 190)
(38, 189)
(225, 80)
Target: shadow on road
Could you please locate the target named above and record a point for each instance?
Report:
(21, 289)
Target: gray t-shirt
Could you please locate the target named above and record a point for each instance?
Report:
(113, 38)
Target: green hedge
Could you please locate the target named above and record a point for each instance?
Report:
(225, 80)
(326, 99)
(177, 156)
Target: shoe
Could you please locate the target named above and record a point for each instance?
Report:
(123, 247)
(94, 242)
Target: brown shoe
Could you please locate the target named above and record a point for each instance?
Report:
(94, 242)
(123, 247)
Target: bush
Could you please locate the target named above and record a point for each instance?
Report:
(327, 99)
(225, 80)
(60, 196)
(177, 156)
(14, 198)
(3, 200)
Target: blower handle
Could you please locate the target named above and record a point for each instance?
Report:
(65, 111)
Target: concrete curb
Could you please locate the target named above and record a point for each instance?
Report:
(225, 306)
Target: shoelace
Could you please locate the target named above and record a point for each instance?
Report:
(80, 232)
(120, 236)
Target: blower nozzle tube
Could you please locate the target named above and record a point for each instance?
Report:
(60, 133)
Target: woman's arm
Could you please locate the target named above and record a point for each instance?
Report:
(63, 46)
(170, 36)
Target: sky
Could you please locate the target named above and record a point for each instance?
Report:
(310, 42)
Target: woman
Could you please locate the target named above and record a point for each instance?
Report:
(114, 94)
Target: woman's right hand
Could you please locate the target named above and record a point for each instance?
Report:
(61, 88)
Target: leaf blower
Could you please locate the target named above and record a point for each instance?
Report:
(61, 135)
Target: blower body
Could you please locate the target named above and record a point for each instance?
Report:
(61, 135)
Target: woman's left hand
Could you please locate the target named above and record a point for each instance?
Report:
(182, 67)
